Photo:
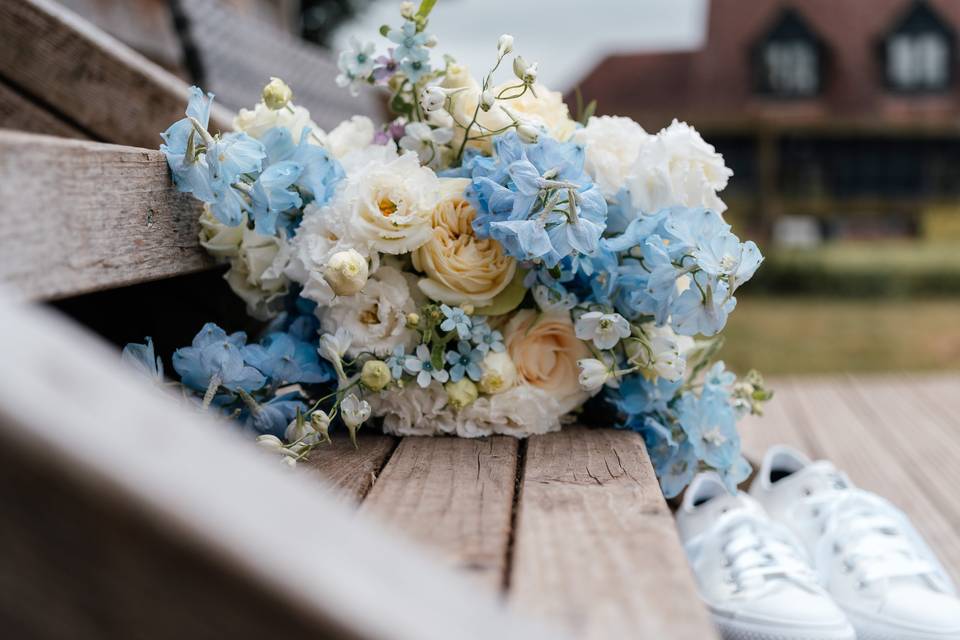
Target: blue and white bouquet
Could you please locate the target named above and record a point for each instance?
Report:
(483, 264)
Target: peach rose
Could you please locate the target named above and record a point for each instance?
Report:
(460, 268)
(545, 350)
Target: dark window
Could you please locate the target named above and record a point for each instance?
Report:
(788, 60)
(918, 52)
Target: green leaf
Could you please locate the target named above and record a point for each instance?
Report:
(508, 299)
(588, 112)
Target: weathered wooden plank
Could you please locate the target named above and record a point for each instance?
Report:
(127, 514)
(77, 216)
(595, 544)
(455, 496)
(53, 56)
(16, 112)
(857, 442)
(352, 471)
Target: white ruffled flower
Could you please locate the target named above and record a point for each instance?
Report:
(521, 411)
(604, 329)
(354, 411)
(388, 205)
(256, 274)
(593, 373)
(414, 411)
(322, 233)
(351, 136)
(376, 317)
(220, 240)
(612, 145)
(257, 121)
(677, 167)
(347, 272)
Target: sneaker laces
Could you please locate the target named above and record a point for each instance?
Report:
(873, 539)
(758, 553)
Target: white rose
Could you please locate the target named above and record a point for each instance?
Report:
(376, 317)
(220, 240)
(389, 205)
(460, 267)
(257, 121)
(677, 167)
(254, 277)
(347, 272)
(612, 145)
(498, 373)
(351, 135)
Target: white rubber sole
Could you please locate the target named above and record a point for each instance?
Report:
(872, 630)
(743, 630)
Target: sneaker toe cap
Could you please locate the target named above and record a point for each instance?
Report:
(923, 611)
(794, 607)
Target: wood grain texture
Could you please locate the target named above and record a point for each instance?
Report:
(350, 471)
(595, 547)
(79, 216)
(127, 514)
(16, 112)
(54, 57)
(455, 497)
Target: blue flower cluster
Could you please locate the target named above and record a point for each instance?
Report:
(235, 174)
(683, 429)
(536, 199)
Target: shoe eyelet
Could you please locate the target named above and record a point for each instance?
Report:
(837, 549)
(815, 512)
(807, 492)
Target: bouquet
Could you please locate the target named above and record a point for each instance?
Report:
(481, 264)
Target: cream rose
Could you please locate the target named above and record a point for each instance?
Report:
(460, 267)
(220, 240)
(545, 350)
(256, 276)
(389, 205)
(257, 121)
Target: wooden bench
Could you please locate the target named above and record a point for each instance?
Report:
(131, 516)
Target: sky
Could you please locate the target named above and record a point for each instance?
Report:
(567, 37)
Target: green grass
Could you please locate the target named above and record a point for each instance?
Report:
(830, 335)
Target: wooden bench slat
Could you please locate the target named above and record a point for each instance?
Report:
(77, 216)
(53, 56)
(595, 546)
(859, 444)
(17, 112)
(455, 497)
(185, 496)
(349, 471)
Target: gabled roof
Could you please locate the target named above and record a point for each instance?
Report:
(713, 86)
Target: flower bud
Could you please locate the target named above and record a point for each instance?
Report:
(461, 393)
(346, 272)
(468, 308)
(504, 45)
(413, 319)
(498, 373)
(407, 10)
(431, 41)
(277, 94)
(270, 443)
(593, 373)
(528, 132)
(530, 73)
(519, 66)
(320, 422)
(432, 98)
(487, 100)
(375, 375)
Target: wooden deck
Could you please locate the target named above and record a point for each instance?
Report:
(571, 527)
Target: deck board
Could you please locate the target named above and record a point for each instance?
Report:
(352, 471)
(596, 548)
(455, 497)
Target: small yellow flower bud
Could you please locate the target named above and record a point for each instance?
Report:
(407, 9)
(277, 94)
(375, 375)
(468, 309)
(461, 393)
(413, 319)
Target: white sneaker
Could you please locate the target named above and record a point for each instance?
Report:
(865, 551)
(752, 572)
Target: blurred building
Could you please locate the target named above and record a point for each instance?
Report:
(844, 110)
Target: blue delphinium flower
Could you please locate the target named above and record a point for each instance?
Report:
(456, 319)
(275, 415)
(719, 378)
(285, 359)
(216, 357)
(485, 338)
(396, 361)
(536, 200)
(677, 471)
(638, 396)
(421, 365)
(271, 195)
(709, 422)
(466, 361)
(736, 473)
(320, 172)
(703, 308)
(143, 358)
